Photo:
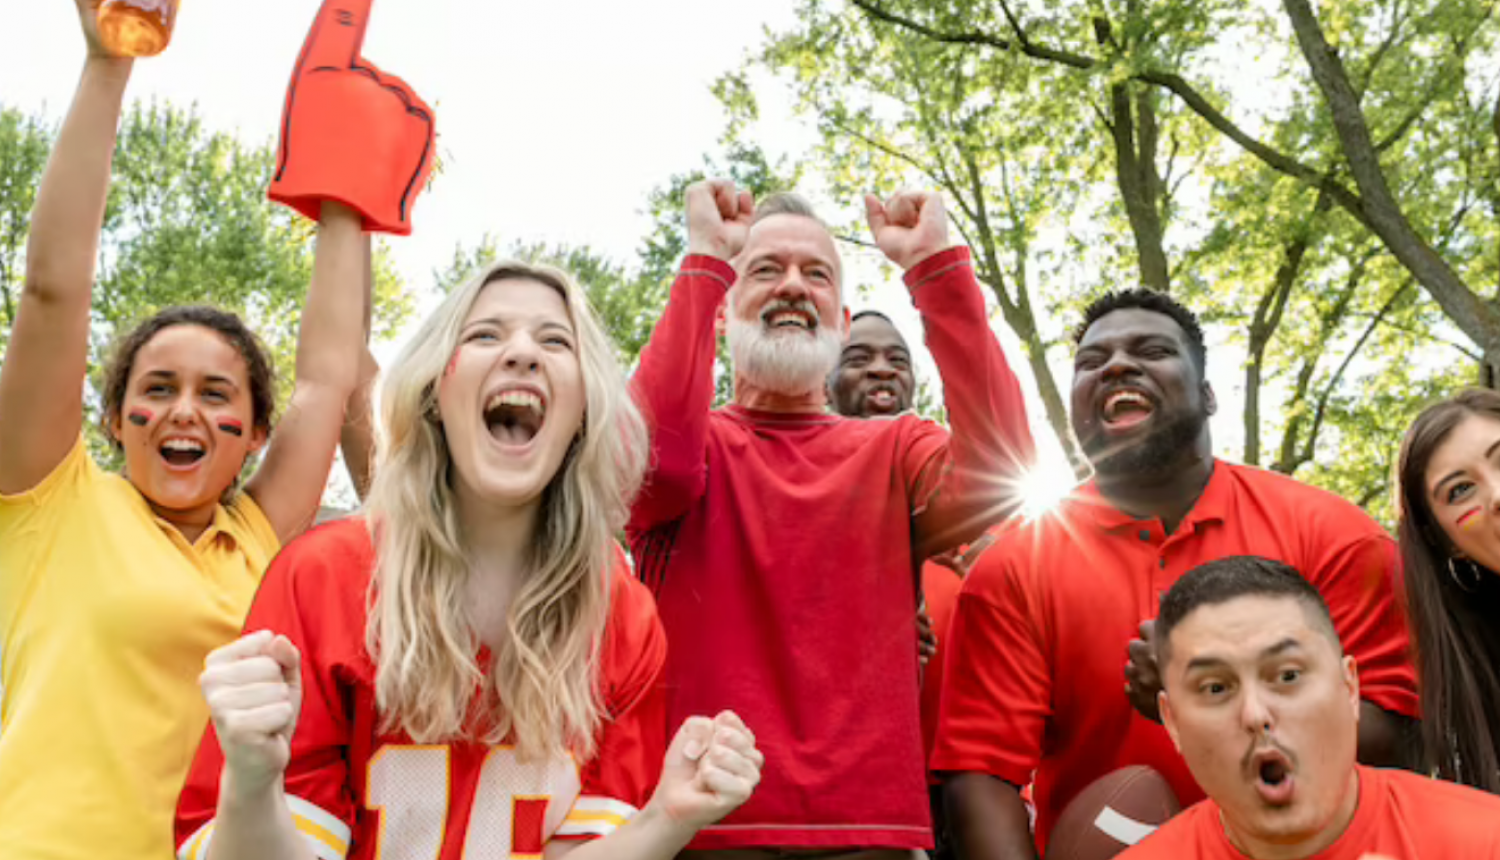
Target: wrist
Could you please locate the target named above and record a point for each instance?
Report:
(922, 255)
(664, 827)
(239, 791)
(107, 66)
(706, 248)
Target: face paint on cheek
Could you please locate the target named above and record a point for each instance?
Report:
(140, 417)
(232, 426)
(1468, 519)
(452, 365)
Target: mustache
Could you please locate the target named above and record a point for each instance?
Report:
(782, 305)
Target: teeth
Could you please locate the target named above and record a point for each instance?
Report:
(778, 319)
(1122, 397)
(182, 445)
(517, 398)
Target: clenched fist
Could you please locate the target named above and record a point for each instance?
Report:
(253, 687)
(718, 218)
(350, 132)
(711, 768)
(909, 227)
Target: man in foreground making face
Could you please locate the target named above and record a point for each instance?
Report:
(1264, 705)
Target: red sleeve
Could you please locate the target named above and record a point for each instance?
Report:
(997, 689)
(620, 777)
(293, 600)
(674, 386)
(965, 490)
(1359, 581)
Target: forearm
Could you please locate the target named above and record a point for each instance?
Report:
(69, 212)
(331, 336)
(255, 826)
(987, 818)
(1387, 739)
(357, 437)
(991, 439)
(674, 386)
(649, 835)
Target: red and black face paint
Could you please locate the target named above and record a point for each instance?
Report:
(140, 417)
(232, 426)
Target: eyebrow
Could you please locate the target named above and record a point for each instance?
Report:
(212, 379)
(1213, 661)
(1488, 453)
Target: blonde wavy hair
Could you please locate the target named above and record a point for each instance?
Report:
(542, 686)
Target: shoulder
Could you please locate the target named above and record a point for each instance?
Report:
(335, 559)
(1297, 501)
(1429, 801)
(1194, 832)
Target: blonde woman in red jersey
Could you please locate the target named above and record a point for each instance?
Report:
(471, 671)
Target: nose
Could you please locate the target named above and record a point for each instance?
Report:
(1119, 364)
(879, 368)
(1255, 711)
(181, 410)
(522, 353)
(793, 287)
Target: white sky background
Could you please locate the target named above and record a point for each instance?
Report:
(555, 119)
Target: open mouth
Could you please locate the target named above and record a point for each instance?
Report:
(882, 398)
(1273, 777)
(790, 315)
(1126, 408)
(181, 452)
(514, 417)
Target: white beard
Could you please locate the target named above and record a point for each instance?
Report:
(785, 362)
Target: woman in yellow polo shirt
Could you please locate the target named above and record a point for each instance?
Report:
(113, 588)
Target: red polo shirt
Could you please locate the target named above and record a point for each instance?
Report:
(1045, 616)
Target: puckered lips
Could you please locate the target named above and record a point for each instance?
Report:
(794, 316)
(1272, 775)
(514, 413)
(182, 452)
(1125, 407)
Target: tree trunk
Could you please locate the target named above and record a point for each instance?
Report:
(1140, 185)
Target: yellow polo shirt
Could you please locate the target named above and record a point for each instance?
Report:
(106, 614)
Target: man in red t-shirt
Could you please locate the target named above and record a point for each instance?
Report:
(1046, 614)
(1261, 701)
(781, 541)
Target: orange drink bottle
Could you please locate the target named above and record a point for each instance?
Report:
(137, 28)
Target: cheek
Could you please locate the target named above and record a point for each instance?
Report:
(140, 416)
(1468, 519)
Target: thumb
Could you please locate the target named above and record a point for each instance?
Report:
(692, 740)
(286, 654)
(875, 213)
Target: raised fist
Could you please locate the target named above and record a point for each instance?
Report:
(350, 132)
(909, 227)
(712, 767)
(718, 218)
(253, 687)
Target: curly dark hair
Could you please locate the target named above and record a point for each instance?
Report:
(231, 327)
(1148, 300)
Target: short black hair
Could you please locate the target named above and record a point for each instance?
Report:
(1140, 298)
(871, 312)
(1222, 580)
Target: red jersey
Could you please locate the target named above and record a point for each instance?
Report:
(1046, 613)
(357, 792)
(1401, 815)
(940, 587)
(783, 551)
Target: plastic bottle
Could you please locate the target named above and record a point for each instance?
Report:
(137, 28)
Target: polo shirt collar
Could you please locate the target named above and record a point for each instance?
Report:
(1214, 505)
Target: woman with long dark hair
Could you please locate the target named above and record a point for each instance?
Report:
(1449, 475)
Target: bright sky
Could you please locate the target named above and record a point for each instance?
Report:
(555, 120)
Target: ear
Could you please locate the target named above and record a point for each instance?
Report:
(1168, 718)
(1210, 402)
(258, 438)
(848, 323)
(721, 317)
(1351, 681)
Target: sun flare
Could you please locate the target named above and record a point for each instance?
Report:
(1045, 485)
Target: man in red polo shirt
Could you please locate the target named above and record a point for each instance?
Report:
(1046, 614)
(781, 541)
(1264, 706)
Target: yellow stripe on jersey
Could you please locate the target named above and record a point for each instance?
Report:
(329, 836)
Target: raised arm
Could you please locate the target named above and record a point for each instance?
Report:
(674, 384)
(290, 480)
(41, 381)
(357, 436)
(971, 485)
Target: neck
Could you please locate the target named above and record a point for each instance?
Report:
(751, 396)
(497, 539)
(191, 523)
(1251, 846)
(1168, 493)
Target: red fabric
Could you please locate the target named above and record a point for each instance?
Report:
(314, 593)
(350, 132)
(1045, 616)
(1401, 815)
(940, 587)
(781, 550)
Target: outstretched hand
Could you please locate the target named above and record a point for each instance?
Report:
(350, 132)
(1142, 675)
(909, 227)
(718, 218)
(712, 766)
(253, 687)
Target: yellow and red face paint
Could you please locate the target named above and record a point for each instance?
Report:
(1468, 519)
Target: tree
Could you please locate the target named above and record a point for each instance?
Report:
(187, 221)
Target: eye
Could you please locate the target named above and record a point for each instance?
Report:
(822, 275)
(1289, 676)
(157, 388)
(215, 396)
(1458, 491)
(1087, 361)
(764, 270)
(1213, 688)
(1156, 353)
(856, 359)
(561, 341)
(900, 361)
(482, 335)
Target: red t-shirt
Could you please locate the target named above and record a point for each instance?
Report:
(940, 587)
(1401, 815)
(1046, 613)
(782, 551)
(360, 793)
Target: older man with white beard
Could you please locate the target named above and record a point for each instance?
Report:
(783, 542)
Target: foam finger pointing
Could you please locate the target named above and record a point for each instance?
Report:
(337, 34)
